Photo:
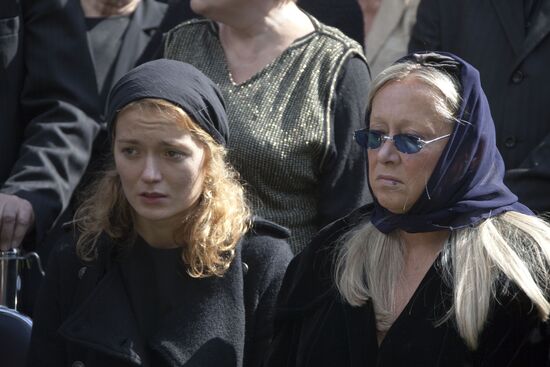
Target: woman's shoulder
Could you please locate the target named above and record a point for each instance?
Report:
(309, 276)
(65, 255)
(266, 242)
(336, 36)
(190, 25)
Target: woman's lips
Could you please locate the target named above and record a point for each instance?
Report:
(389, 180)
(152, 197)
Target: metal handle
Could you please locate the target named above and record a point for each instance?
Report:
(9, 274)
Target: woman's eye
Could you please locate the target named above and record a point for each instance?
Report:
(174, 154)
(129, 151)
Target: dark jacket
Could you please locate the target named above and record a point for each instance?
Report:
(46, 105)
(314, 327)
(512, 56)
(346, 15)
(84, 313)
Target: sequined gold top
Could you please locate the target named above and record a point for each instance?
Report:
(280, 119)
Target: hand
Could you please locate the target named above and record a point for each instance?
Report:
(16, 219)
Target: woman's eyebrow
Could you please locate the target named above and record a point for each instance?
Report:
(128, 141)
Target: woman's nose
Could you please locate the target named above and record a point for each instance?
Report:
(387, 152)
(151, 170)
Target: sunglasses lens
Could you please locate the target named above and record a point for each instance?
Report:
(361, 137)
(407, 143)
(374, 139)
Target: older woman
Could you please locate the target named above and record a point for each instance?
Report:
(167, 270)
(446, 268)
(293, 88)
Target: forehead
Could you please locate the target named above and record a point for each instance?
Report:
(137, 120)
(407, 103)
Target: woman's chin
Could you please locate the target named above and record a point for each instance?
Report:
(394, 207)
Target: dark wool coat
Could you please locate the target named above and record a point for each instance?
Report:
(314, 327)
(84, 313)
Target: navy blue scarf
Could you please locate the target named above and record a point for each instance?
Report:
(467, 185)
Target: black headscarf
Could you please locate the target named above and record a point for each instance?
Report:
(178, 83)
(466, 185)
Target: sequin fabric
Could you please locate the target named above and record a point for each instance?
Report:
(279, 120)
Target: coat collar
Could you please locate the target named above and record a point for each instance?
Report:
(538, 31)
(103, 324)
(510, 14)
(210, 322)
(145, 21)
(361, 339)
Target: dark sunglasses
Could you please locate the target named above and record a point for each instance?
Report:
(405, 143)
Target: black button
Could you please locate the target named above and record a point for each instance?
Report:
(518, 77)
(510, 142)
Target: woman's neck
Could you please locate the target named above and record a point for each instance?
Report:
(158, 234)
(426, 242)
(108, 8)
(257, 38)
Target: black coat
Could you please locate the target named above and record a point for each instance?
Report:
(513, 63)
(314, 327)
(84, 313)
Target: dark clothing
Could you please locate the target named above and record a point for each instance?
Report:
(346, 15)
(46, 105)
(105, 36)
(87, 312)
(512, 57)
(315, 327)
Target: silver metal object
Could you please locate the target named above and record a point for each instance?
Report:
(10, 281)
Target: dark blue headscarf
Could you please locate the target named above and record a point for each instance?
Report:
(466, 185)
(178, 83)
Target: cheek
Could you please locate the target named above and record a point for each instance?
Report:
(126, 172)
(371, 159)
(189, 180)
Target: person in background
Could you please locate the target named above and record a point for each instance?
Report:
(293, 88)
(47, 123)
(446, 267)
(387, 26)
(509, 43)
(169, 267)
(342, 14)
(47, 130)
(383, 27)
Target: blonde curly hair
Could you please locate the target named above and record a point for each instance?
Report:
(209, 230)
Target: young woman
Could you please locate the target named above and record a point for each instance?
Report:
(169, 268)
(446, 268)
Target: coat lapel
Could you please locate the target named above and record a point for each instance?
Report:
(538, 31)
(208, 327)
(145, 21)
(360, 324)
(102, 324)
(510, 14)
(388, 17)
